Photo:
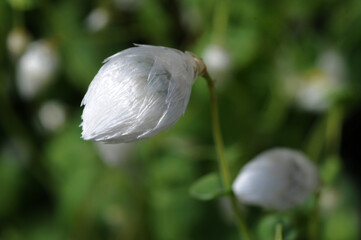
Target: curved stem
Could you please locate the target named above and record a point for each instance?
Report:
(224, 169)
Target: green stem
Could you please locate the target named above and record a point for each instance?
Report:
(224, 169)
(324, 141)
(278, 234)
(315, 150)
(333, 130)
(315, 218)
(315, 141)
(220, 21)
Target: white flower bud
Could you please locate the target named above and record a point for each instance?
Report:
(138, 93)
(36, 68)
(277, 179)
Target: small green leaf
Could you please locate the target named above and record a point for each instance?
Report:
(207, 187)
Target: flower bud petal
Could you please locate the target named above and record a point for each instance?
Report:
(138, 93)
(278, 179)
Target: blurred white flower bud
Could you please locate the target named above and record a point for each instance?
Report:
(52, 115)
(332, 63)
(313, 90)
(36, 68)
(318, 85)
(97, 19)
(277, 179)
(138, 93)
(115, 154)
(330, 199)
(17, 41)
(218, 61)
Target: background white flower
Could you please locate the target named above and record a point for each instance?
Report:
(16, 41)
(218, 61)
(279, 179)
(52, 115)
(36, 68)
(314, 88)
(97, 19)
(138, 93)
(115, 155)
(317, 86)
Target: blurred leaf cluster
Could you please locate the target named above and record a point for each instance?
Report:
(54, 185)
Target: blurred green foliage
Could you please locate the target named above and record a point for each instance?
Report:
(54, 185)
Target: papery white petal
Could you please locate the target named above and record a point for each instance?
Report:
(278, 179)
(138, 93)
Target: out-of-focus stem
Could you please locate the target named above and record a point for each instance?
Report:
(315, 218)
(224, 169)
(324, 141)
(278, 234)
(220, 21)
(333, 130)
